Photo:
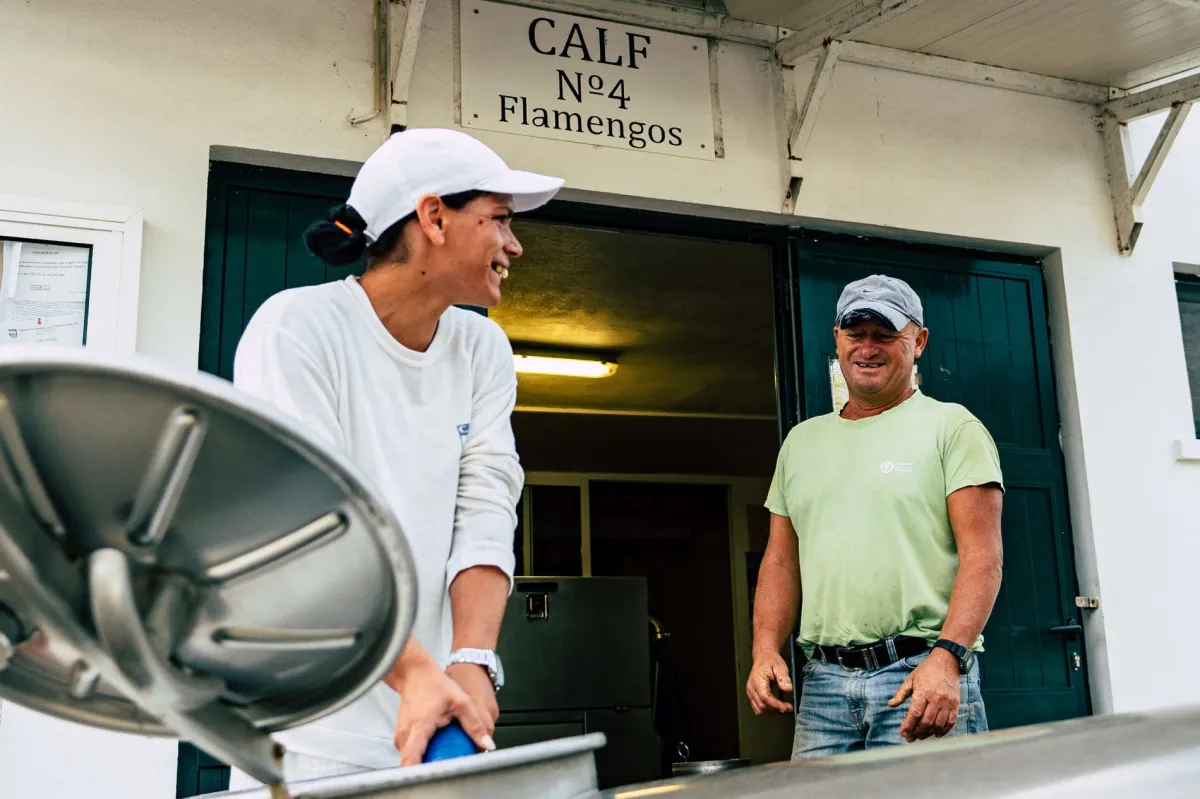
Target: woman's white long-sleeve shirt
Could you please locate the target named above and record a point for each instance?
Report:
(430, 431)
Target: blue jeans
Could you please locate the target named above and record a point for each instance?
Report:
(844, 710)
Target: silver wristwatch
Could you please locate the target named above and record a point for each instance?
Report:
(486, 658)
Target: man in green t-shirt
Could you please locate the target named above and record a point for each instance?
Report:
(887, 512)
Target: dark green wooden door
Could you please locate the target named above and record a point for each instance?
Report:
(254, 248)
(198, 773)
(988, 350)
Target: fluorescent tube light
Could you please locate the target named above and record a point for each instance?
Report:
(565, 366)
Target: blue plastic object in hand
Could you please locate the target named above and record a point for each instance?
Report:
(450, 741)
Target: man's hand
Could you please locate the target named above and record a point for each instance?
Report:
(475, 681)
(768, 669)
(429, 700)
(935, 690)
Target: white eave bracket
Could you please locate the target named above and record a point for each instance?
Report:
(1129, 185)
(406, 19)
(806, 118)
(834, 51)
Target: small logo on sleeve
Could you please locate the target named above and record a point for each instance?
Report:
(888, 467)
(463, 429)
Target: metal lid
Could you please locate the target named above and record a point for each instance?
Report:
(176, 559)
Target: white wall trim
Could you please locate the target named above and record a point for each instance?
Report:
(1187, 450)
(115, 235)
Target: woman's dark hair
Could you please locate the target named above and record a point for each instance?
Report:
(341, 239)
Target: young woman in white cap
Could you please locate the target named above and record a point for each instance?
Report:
(419, 394)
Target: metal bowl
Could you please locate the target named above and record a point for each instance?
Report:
(180, 560)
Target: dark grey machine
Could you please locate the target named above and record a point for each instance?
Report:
(576, 653)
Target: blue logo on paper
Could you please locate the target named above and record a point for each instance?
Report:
(463, 429)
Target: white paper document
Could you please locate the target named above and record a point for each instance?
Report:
(43, 293)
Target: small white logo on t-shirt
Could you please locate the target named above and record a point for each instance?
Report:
(887, 467)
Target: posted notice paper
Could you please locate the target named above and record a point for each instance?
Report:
(43, 293)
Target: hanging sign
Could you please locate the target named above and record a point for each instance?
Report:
(560, 76)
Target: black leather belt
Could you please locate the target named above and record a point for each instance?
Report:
(873, 656)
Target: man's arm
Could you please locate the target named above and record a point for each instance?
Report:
(775, 602)
(975, 520)
(934, 686)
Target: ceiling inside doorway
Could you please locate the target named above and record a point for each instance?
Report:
(689, 320)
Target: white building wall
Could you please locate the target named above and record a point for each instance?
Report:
(44, 758)
(121, 103)
(118, 101)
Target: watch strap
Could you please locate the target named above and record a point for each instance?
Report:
(487, 659)
(962, 654)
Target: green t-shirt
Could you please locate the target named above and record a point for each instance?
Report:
(868, 501)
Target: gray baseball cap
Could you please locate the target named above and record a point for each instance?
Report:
(888, 298)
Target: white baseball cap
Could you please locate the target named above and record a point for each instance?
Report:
(422, 161)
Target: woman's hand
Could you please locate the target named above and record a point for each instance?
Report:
(429, 700)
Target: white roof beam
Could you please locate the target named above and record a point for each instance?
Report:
(1151, 101)
(851, 20)
(970, 72)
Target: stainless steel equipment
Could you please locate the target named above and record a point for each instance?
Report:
(179, 561)
(1103, 757)
(688, 768)
(559, 769)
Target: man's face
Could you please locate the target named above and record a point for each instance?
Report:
(480, 248)
(876, 361)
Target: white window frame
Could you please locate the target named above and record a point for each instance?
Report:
(115, 236)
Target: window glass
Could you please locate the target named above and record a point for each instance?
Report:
(1188, 289)
(43, 292)
(557, 530)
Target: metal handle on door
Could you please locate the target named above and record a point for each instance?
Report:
(1070, 628)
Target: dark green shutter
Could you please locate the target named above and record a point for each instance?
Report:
(988, 350)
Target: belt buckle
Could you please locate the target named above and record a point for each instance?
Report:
(871, 661)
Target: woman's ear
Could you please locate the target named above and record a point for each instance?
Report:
(431, 215)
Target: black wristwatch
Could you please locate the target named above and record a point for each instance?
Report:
(964, 656)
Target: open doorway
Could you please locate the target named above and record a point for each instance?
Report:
(657, 471)
(685, 306)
